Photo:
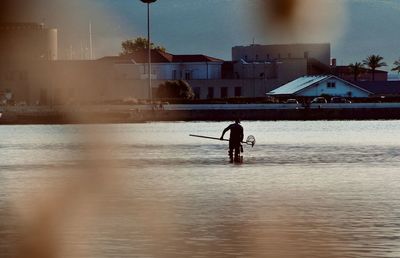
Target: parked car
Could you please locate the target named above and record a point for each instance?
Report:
(319, 100)
(339, 100)
(292, 101)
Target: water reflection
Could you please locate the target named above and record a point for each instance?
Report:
(152, 191)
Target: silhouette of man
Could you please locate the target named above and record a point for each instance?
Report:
(235, 139)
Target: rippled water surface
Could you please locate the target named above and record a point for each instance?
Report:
(306, 189)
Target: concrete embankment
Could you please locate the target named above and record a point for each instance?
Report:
(219, 112)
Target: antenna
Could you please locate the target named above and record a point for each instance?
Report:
(82, 52)
(90, 41)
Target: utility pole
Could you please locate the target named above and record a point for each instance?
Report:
(148, 2)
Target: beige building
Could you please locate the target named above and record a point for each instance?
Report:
(28, 41)
(62, 82)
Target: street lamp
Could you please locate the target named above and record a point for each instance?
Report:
(148, 2)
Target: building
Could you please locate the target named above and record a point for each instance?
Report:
(259, 53)
(31, 73)
(25, 48)
(292, 59)
(314, 86)
(381, 88)
(28, 41)
(345, 72)
(166, 66)
(266, 67)
(198, 70)
(47, 82)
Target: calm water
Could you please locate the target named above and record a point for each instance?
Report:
(307, 189)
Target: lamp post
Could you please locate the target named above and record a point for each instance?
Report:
(148, 2)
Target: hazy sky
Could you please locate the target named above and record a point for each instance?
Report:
(355, 28)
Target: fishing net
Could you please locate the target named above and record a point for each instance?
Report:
(251, 140)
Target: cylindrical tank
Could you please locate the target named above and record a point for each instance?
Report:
(28, 41)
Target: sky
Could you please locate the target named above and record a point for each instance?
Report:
(355, 28)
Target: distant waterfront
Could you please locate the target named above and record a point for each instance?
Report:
(196, 112)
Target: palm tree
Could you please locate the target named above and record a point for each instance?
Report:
(356, 69)
(373, 62)
(396, 66)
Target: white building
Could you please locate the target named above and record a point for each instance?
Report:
(257, 53)
(314, 86)
(166, 66)
(281, 62)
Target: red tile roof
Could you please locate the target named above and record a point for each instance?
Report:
(158, 56)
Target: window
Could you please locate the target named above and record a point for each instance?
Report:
(331, 85)
(188, 75)
(224, 92)
(210, 93)
(238, 91)
(267, 56)
(196, 91)
(279, 56)
(256, 57)
(173, 74)
(306, 54)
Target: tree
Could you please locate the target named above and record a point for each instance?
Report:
(131, 46)
(175, 90)
(396, 66)
(356, 69)
(373, 62)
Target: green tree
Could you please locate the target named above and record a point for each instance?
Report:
(356, 69)
(396, 66)
(373, 62)
(131, 46)
(175, 90)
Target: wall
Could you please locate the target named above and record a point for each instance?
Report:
(196, 70)
(281, 72)
(249, 88)
(341, 89)
(252, 53)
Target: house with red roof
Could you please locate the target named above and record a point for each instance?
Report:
(166, 66)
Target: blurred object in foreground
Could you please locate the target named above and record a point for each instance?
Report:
(302, 21)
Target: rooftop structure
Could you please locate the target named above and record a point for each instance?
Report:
(313, 86)
(256, 53)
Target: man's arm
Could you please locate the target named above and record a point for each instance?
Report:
(223, 133)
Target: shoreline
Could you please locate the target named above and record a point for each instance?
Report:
(211, 112)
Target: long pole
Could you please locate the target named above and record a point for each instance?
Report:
(207, 137)
(149, 51)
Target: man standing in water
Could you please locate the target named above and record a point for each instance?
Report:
(235, 140)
